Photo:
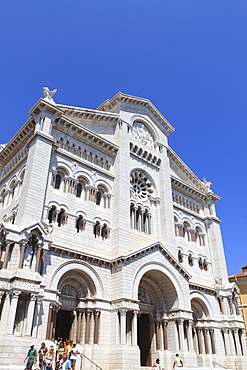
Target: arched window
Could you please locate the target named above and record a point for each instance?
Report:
(58, 179)
(61, 217)
(180, 256)
(78, 190)
(190, 260)
(205, 265)
(80, 224)
(200, 263)
(52, 214)
(98, 197)
(105, 232)
(186, 231)
(96, 229)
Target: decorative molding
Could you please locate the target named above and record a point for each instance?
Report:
(133, 103)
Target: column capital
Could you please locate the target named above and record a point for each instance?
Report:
(135, 313)
(33, 296)
(123, 312)
(180, 321)
(23, 242)
(15, 293)
(97, 312)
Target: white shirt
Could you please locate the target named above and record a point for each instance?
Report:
(73, 355)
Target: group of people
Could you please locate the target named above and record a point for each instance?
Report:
(177, 363)
(60, 356)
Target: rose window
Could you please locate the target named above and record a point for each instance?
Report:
(140, 185)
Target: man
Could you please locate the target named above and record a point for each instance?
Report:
(177, 362)
(31, 357)
(66, 363)
(59, 362)
(41, 353)
(73, 355)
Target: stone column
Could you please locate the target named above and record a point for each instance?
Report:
(36, 317)
(5, 313)
(38, 258)
(88, 315)
(189, 335)
(6, 256)
(211, 332)
(48, 330)
(205, 331)
(165, 339)
(157, 334)
(123, 314)
(221, 305)
(231, 305)
(134, 328)
(181, 334)
(12, 312)
(23, 245)
(243, 345)
(149, 217)
(225, 334)
(134, 211)
(96, 327)
(30, 314)
(199, 338)
(78, 333)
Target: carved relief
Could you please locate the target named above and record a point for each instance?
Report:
(143, 296)
(141, 134)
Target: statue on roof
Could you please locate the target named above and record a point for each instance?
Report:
(207, 183)
(48, 94)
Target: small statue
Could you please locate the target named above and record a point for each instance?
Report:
(48, 94)
(218, 282)
(207, 183)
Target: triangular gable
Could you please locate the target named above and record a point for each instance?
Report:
(140, 105)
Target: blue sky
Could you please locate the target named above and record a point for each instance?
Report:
(187, 56)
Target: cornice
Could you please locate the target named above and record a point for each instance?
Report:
(134, 103)
(20, 139)
(43, 105)
(202, 288)
(110, 119)
(198, 188)
(86, 136)
(128, 258)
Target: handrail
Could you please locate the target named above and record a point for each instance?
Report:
(82, 355)
(216, 363)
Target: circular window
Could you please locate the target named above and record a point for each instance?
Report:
(140, 185)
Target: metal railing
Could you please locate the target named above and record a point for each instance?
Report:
(84, 356)
(216, 363)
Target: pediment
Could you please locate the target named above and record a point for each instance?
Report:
(145, 250)
(137, 105)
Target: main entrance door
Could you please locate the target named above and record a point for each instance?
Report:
(63, 324)
(144, 339)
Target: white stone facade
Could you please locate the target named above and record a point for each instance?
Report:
(109, 239)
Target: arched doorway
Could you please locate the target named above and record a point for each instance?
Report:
(63, 324)
(144, 339)
(157, 295)
(74, 320)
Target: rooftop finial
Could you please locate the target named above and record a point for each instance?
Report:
(48, 94)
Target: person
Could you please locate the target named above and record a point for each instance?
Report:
(73, 355)
(156, 365)
(177, 362)
(69, 346)
(49, 358)
(59, 362)
(66, 363)
(31, 357)
(41, 354)
(61, 349)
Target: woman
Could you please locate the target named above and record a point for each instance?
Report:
(61, 349)
(49, 359)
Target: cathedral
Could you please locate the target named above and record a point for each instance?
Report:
(109, 239)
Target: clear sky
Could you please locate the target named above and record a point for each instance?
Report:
(189, 57)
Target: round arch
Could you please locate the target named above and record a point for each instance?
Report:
(170, 281)
(79, 266)
(201, 303)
